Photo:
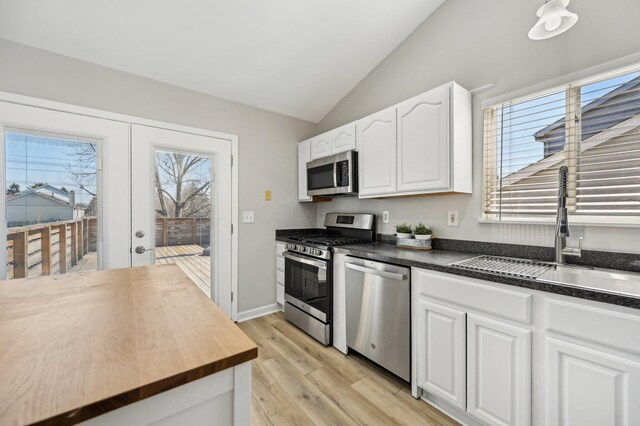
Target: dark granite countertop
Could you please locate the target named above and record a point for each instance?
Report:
(440, 260)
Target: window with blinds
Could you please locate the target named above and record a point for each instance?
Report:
(592, 128)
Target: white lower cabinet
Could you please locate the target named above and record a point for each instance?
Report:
(498, 372)
(493, 354)
(590, 387)
(466, 353)
(441, 345)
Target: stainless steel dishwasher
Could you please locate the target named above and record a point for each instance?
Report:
(378, 313)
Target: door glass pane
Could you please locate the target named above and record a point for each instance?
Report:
(183, 206)
(51, 205)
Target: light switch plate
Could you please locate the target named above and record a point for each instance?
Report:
(452, 218)
(385, 217)
(247, 217)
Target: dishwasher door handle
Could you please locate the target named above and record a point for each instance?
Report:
(384, 274)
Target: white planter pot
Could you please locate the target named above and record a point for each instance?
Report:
(403, 235)
(423, 237)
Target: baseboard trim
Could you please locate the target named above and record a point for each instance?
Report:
(258, 312)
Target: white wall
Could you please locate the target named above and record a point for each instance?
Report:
(476, 43)
(267, 140)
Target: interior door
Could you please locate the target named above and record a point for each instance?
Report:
(181, 209)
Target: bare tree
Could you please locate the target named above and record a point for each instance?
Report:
(82, 167)
(182, 181)
(182, 184)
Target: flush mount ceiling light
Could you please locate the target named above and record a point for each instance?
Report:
(554, 19)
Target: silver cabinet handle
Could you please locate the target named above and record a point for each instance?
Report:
(385, 274)
(318, 263)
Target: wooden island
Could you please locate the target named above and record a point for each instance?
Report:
(130, 346)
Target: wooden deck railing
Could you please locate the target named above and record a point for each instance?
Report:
(50, 248)
(182, 230)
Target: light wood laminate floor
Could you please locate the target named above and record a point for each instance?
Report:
(298, 381)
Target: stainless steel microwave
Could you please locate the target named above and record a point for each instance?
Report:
(333, 176)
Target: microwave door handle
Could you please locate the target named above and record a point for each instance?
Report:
(335, 174)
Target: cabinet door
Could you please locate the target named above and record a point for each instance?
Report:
(423, 142)
(303, 159)
(343, 138)
(587, 387)
(441, 352)
(498, 372)
(376, 136)
(321, 146)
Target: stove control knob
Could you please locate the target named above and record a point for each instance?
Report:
(302, 249)
(317, 252)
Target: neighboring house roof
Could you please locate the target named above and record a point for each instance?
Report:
(589, 143)
(605, 112)
(47, 192)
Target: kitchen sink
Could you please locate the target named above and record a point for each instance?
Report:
(604, 280)
(582, 277)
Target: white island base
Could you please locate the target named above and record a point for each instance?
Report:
(221, 399)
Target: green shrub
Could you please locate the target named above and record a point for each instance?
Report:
(422, 230)
(403, 228)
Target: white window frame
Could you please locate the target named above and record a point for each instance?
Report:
(622, 66)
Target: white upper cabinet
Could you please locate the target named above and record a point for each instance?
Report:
(430, 146)
(321, 146)
(343, 138)
(423, 142)
(420, 146)
(376, 136)
(304, 156)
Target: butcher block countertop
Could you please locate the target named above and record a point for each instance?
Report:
(76, 346)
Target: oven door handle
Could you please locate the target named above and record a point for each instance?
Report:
(384, 274)
(318, 263)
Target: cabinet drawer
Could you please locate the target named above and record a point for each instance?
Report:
(598, 325)
(474, 294)
(280, 263)
(280, 277)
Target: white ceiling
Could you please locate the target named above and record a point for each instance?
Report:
(295, 57)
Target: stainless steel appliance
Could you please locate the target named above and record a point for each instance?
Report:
(308, 279)
(333, 176)
(378, 313)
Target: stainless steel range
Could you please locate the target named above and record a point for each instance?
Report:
(308, 281)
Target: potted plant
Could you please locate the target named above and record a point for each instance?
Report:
(403, 231)
(423, 232)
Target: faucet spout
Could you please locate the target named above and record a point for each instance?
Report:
(562, 220)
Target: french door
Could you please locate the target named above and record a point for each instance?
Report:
(86, 190)
(181, 206)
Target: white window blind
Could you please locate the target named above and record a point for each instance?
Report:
(592, 128)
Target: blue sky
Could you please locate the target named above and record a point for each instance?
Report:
(32, 159)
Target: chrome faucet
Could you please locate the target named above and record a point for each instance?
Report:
(562, 221)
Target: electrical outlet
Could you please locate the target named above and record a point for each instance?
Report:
(452, 218)
(385, 217)
(247, 217)
(267, 195)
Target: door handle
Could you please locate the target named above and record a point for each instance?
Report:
(317, 263)
(384, 274)
(141, 249)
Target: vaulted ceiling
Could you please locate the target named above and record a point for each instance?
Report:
(295, 57)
